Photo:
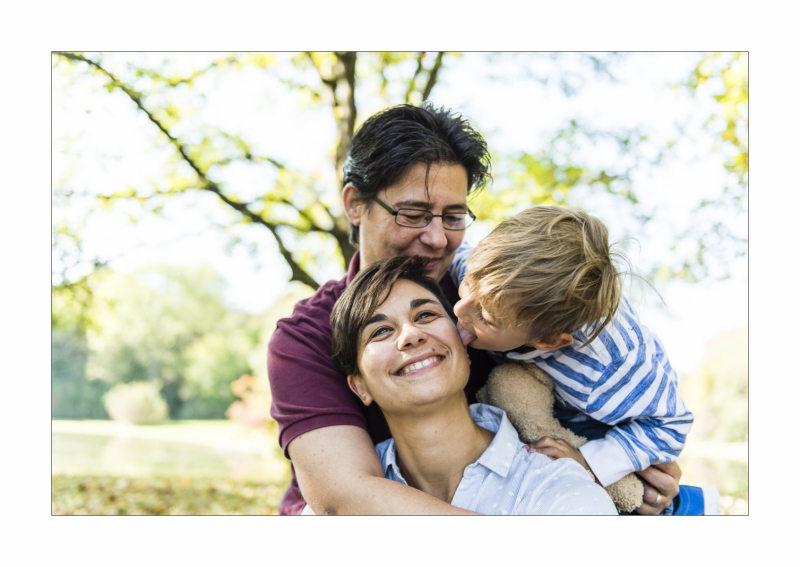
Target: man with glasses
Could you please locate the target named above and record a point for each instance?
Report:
(418, 165)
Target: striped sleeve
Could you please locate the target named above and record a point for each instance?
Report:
(623, 379)
(458, 268)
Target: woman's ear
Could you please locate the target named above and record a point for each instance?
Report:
(352, 205)
(357, 386)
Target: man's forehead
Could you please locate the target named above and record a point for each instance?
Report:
(414, 203)
(425, 189)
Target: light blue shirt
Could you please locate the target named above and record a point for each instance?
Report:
(506, 479)
(623, 378)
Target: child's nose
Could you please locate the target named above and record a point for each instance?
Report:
(459, 310)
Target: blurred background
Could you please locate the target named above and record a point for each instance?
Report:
(196, 199)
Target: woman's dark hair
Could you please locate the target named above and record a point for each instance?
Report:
(392, 141)
(368, 290)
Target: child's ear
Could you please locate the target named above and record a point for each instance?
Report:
(561, 341)
(357, 386)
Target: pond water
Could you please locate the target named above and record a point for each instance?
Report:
(79, 454)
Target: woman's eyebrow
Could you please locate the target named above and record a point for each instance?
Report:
(414, 304)
(374, 319)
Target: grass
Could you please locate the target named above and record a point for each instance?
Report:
(108, 495)
(213, 467)
(218, 467)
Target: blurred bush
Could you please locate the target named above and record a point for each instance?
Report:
(159, 323)
(138, 403)
(73, 396)
(252, 410)
(718, 393)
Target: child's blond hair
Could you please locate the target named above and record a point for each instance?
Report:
(548, 270)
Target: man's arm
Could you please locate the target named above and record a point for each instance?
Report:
(339, 472)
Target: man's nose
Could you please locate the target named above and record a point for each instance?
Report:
(434, 235)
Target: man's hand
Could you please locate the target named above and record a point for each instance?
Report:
(660, 487)
(557, 449)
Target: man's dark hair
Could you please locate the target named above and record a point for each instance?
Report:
(394, 140)
(368, 290)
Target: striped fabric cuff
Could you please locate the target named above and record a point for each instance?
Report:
(608, 460)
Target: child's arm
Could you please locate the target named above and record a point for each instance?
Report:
(636, 393)
(558, 449)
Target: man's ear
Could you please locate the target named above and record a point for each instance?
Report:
(357, 386)
(352, 205)
(561, 341)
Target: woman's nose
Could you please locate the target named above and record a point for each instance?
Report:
(410, 335)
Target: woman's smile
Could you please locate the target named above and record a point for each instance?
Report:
(415, 367)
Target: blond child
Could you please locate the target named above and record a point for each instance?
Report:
(542, 289)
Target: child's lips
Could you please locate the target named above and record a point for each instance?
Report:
(466, 336)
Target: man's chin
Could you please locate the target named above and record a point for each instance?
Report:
(438, 268)
(436, 271)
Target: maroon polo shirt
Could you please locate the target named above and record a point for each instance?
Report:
(308, 389)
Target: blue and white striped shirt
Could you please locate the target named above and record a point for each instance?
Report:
(506, 479)
(622, 379)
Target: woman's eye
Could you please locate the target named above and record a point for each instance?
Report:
(379, 332)
(426, 315)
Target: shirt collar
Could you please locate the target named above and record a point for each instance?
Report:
(499, 455)
(391, 469)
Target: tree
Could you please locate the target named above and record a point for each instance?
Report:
(170, 326)
(301, 209)
(724, 77)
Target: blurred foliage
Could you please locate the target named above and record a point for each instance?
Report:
(138, 403)
(718, 393)
(252, 409)
(549, 176)
(72, 395)
(168, 325)
(722, 76)
(726, 75)
(301, 209)
(107, 495)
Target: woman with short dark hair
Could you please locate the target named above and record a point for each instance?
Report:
(394, 337)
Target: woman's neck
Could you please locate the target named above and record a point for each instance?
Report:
(434, 448)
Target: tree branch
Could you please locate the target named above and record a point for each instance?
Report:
(433, 76)
(412, 84)
(298, 273)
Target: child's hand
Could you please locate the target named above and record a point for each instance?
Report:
(557, 449)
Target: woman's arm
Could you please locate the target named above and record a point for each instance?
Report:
(339, 472)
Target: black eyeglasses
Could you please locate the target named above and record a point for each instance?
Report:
(414, 218)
